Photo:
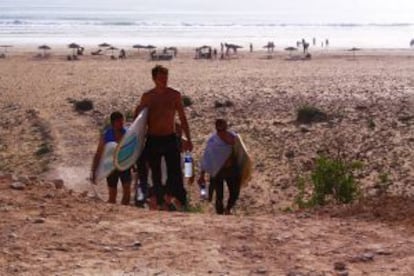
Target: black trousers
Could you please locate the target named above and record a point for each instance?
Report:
(232, 178)
(167, 147)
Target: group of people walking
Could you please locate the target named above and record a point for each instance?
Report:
(164, 141)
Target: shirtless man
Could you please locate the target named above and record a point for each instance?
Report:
(163, 104)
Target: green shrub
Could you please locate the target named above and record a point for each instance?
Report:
(187, 101)
(300, 200)
(307, 114)
(83, 105)
(218, 104)
(371, 123)
(44, 148)
(383, 184)
(192, 207)
(330, 178)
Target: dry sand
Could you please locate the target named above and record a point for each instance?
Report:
(370, 101)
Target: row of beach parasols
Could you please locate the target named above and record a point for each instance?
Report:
(75, 46)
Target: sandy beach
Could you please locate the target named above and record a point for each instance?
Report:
(369, 100)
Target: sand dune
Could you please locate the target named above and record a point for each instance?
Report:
(369, 101)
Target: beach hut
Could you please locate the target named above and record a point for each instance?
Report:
(204, 52)
(172, 50)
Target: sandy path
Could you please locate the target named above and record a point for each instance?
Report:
(79, 236)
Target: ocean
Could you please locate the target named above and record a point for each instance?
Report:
(26, 22)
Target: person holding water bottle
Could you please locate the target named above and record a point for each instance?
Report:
(163, 104)
(219, 162)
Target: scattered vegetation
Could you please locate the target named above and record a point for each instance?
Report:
(193, 208)
(371, 124)
(383, 184)
(129, 116)
(307, 114)
(226, 103)
(187, 101)
(43, 149)
(331, 179)
(83, 105)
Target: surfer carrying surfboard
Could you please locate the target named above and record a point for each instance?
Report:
(219, 161)
(114, 133)
(163, 104)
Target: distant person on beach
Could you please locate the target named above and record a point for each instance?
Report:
(326, 42)
(163, 104)
(114, 133)
(122, 54)
(251, 48)
(220, 163)
(215, 53)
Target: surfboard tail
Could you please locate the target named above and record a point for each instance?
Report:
(244, 161)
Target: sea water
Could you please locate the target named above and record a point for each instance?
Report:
(195, 23)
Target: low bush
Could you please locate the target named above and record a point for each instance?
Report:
(307, 114)
(83, 105)
(226, 103)
(331, 178)
(187, 101)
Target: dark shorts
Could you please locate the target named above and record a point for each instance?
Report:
(114, 177)
(167, 147)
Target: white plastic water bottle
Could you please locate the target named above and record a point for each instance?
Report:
(188, 164)
(203, 191)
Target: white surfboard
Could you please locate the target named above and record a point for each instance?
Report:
(132, 144)
(106, 164)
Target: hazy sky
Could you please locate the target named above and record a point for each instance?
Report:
(339, 10)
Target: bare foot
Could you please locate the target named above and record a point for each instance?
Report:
(152, 203)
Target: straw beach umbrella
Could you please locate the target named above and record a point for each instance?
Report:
(270, 46)
(44, 48)
(138, 46)
(353, 50)
(74, 47)
(104, 45)
(5, 47)
(290, 50)
(150, 47)
(112, 48)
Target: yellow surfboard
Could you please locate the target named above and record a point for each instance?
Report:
(244, 161)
